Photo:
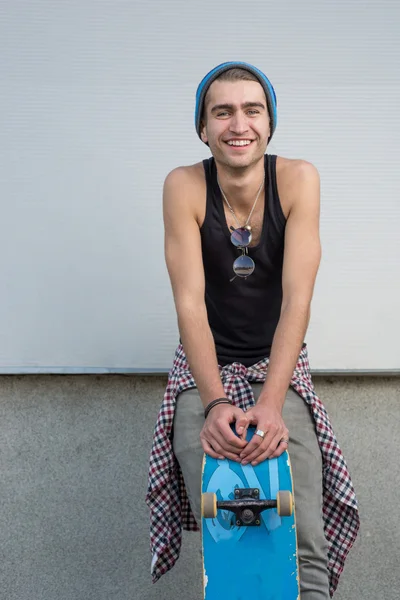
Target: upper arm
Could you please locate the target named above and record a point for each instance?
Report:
(302, 253)
(182, 238)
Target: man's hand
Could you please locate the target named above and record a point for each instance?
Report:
(268, 419)
(217, 437)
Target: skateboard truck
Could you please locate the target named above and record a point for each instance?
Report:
(247, 506)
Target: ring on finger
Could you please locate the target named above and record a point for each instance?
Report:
(260, 433)
(284, 441)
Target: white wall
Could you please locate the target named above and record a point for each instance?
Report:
(97, 106)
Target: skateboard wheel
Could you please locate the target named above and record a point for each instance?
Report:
(284, 503)
(209, 505)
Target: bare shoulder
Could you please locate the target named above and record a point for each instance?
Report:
(185, 189)
(298, 182)
(187, 175)
(296, 169)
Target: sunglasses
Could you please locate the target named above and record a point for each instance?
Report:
(243, 265)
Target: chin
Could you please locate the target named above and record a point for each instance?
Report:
(239, 161)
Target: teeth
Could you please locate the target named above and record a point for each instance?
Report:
(239, 142)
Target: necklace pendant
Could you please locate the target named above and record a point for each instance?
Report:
(241, 237)
(248, 227)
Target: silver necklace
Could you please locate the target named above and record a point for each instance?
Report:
(246, 225)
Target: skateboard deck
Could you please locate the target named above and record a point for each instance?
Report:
(247, 554)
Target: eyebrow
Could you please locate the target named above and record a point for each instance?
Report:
(231, 107)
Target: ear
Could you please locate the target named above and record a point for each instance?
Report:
(203, 132)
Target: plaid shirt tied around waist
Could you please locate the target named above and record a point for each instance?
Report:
(166, 495)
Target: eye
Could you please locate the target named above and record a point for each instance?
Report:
(253, 111)
(223, 113)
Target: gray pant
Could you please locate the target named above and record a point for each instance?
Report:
(306, 463)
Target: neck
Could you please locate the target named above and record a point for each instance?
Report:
(241, 185)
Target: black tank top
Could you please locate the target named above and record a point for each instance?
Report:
(243, 314)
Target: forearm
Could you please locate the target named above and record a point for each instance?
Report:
(199, 346)
(285, 350)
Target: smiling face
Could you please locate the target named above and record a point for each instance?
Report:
(236, 123)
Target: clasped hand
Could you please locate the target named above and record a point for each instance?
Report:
(219, 441)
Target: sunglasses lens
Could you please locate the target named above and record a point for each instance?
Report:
(241, 237)
(243, 266)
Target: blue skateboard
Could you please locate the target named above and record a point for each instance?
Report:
(248, 530)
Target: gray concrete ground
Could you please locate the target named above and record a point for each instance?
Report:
(73, 471)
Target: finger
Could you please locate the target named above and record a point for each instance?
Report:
(263, 456)
(251, 447)
(208, 450)
(282, 446)
(257, 440)
(266, 455)
(279, 444)
(267, 445)
(241, 426)
(267, 449)
(227, 438)
(223, 444)
(220, 450)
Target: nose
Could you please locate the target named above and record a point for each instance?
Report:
(238, 123)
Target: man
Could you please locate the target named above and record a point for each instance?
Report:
(242, 250)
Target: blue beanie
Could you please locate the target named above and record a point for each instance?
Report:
(212, 76)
